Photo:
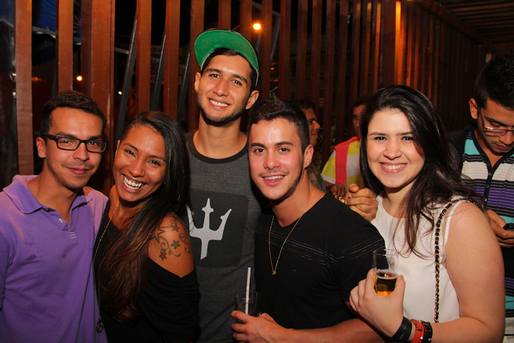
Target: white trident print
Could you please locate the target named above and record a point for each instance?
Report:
(205, 234)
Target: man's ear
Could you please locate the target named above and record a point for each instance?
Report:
(252, 99)
(198, 76)
(41, 147)
(473, 108)
(307, 156)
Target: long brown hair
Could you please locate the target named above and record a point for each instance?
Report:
(122, 273)
(440, 178)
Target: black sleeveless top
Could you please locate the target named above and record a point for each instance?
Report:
(169, 303)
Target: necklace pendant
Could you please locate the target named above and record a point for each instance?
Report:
(274, 272)
(99, 326)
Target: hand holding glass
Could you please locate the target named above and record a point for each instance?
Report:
(385, 266)
(250, 308)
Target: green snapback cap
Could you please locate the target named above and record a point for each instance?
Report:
(210, 40)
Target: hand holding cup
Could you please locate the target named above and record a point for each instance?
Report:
(385, 267)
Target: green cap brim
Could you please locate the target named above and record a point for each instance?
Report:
(210, 40)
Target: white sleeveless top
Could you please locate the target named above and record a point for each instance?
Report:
(419, 272)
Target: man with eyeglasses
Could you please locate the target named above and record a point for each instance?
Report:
(487, 152)
(48, 225)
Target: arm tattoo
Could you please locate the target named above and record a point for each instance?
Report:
(167, 248)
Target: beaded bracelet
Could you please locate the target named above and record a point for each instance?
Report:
(403, 333)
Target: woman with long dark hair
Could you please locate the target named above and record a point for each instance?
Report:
(145, 276)
(451, 287)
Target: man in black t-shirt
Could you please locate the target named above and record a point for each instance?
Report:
(311, 249)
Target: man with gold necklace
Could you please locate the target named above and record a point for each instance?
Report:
(311, 249)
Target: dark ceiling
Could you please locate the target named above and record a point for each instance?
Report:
(494, 19)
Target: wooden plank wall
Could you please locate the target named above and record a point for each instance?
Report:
(329, 52)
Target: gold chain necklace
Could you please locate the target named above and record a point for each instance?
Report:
(274, 269)
(99, 324)
(105, 230)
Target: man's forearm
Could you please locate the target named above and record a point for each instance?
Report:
(354, 330)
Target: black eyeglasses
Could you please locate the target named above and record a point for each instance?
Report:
(72, 143)
(490, 131)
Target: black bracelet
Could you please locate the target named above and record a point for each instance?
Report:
(403, 333)
(427, 336)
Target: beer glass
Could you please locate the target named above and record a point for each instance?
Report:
(385, 266)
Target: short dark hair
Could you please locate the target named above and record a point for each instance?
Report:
(362, 100)
(496, 82)
(69, 99)
(271, 109)
(232, 52)
(305, 104)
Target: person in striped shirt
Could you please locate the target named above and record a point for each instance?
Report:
(486, 150)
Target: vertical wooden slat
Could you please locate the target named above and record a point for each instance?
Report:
(436, 74)
(365, 46)
(417, 48)
(400, 53)
(23, 59)
(356, 33)
(458, 76)
(423, 52)
(143, 54)
(317, 12)
(341, 89)
(328, 94)
(171, 60)
(98, 50)
(301, 49)
(245, 18)
(284, 49)
(265, 51)
(375, 48)
(430, 57)
(391, 29)
(411, 13)
(97, 71)
(197, 18)
(64, 44)
(224, 14)
(442, 68)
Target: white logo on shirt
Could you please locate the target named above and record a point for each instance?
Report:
(205, 234)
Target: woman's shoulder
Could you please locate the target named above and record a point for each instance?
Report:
(170, 246)
(467, 211)
(469, 222)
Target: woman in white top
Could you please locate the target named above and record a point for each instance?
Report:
(407, 160)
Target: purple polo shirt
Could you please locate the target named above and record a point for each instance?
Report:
(47, 290)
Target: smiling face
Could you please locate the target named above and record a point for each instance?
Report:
(140, 164)
(392, 154)
(64, 168)
(277, 161)
(223, 90)
(313, 126)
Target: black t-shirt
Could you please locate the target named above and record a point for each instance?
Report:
(324, 258)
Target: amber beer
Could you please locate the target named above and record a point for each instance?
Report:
(385, 281)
